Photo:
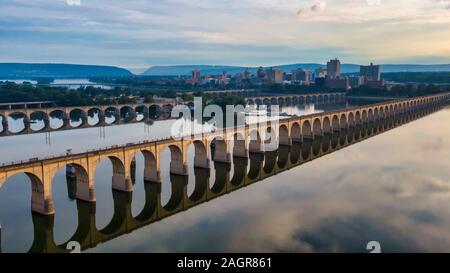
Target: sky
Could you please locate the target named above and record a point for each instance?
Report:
(137, 34)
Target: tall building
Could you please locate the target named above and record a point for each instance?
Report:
(301, 75)
(356, 81)
(370, 72)
(275, 75)
(334, 69)
(196, 76)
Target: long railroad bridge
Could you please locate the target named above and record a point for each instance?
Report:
(247, 171)
(228, 143)
(127, 113)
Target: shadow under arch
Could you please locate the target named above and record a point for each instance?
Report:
(306, 149)
(295, 152)
(222, 177)
(240, 170)
(201, 184)
(283, 156)
(270, 159)
(256, 161)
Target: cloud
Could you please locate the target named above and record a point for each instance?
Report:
(237, 32)
(73, 2)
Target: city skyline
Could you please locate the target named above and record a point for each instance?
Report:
(140, 34)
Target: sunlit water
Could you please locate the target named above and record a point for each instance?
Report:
(392, 188)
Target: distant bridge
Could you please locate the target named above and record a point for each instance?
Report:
(128, 113)
(246, 139)
(262, 166)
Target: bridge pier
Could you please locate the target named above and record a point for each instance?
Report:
(179, 168)
(152, 175)
(202, 162)
(122, 183)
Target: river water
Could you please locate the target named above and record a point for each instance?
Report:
(393, 188)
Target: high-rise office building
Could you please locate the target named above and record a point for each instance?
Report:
(370, 72)
(334, 69)
(196, 74)
(301, 75)
(275, 75)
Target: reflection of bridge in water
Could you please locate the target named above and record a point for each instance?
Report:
(261, 166)
(128, 113)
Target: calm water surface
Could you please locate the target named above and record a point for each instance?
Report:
(393, 188)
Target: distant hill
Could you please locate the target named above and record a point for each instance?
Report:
(183, 70)
(27, 70)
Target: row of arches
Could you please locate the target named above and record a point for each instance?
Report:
(256, 168)
(220, 149)
(294, 100)
(19, 121)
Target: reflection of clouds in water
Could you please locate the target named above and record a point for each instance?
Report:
(379, 189)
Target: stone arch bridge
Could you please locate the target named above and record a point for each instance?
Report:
(128, 113)
(246, 172)
(227, 143)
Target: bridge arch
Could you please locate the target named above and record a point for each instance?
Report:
(112, 114)
(288, 101)
(320, 99)
(358, 119)
(78, 115)
(296, 132)
(201, 159)
(327, 129)
(343, 121)
(370, 115)
(283, 135)
(376, 115)
(41, 200)
(142, 112)
(317, 127)
(59, 114)
(155, 112)
(364, 117)
(21, 126)
(335, 123)
(127, 113)
(351, 119)
(177, 165)
(93, 113)
(307, 132)
(39, 115)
